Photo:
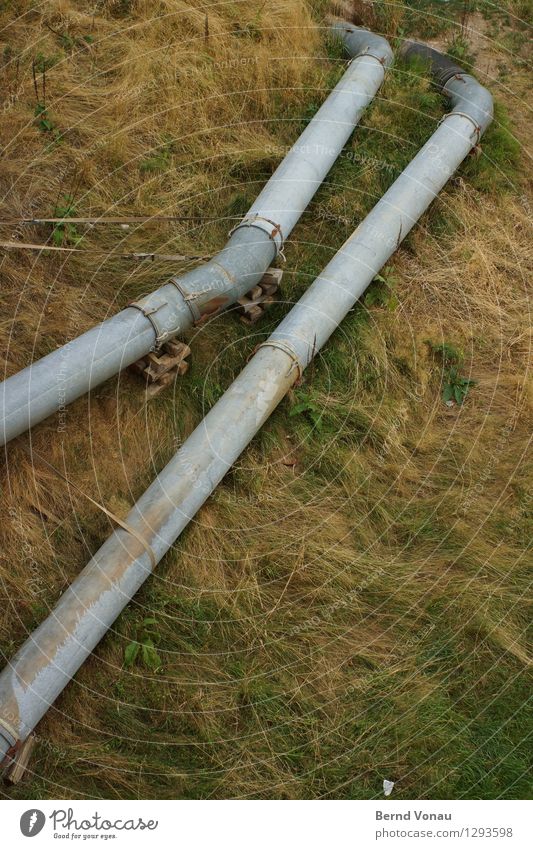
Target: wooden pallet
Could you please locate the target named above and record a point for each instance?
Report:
(251, 307)
(160, 368)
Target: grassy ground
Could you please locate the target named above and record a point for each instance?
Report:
(352, 603)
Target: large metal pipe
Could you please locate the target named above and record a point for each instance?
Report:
(51, 383)
(55, 651)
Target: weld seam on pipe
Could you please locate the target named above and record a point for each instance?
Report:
(285, 346)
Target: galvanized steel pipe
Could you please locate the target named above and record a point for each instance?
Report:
(51, 383)
(52, 655)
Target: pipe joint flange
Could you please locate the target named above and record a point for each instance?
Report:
(477, 128)
(189, 298)
(162, 315)
(287, 349)
(269, 227)
(367, 52)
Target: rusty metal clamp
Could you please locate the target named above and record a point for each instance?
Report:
(161, 314)
(269, 227)
(188, 297)
(477, 128)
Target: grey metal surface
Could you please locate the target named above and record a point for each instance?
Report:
(56, 650)
(323, 306)
(53, 382)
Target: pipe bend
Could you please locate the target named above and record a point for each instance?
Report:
(358, 42)
(466, 95)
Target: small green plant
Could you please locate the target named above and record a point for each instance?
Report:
(67, 41)
(46, 125)
(455, 387)
(72, 42)
(381, 292)
(308, 408)
(447, 352)
(143, 648)
(43, 63)
(64, 232)
(459, 49)
(44, 122)
(156, 163)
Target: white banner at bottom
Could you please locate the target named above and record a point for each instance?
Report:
(267, 824)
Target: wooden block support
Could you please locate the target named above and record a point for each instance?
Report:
(252, 306)
(160, 368)
(15, 771)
